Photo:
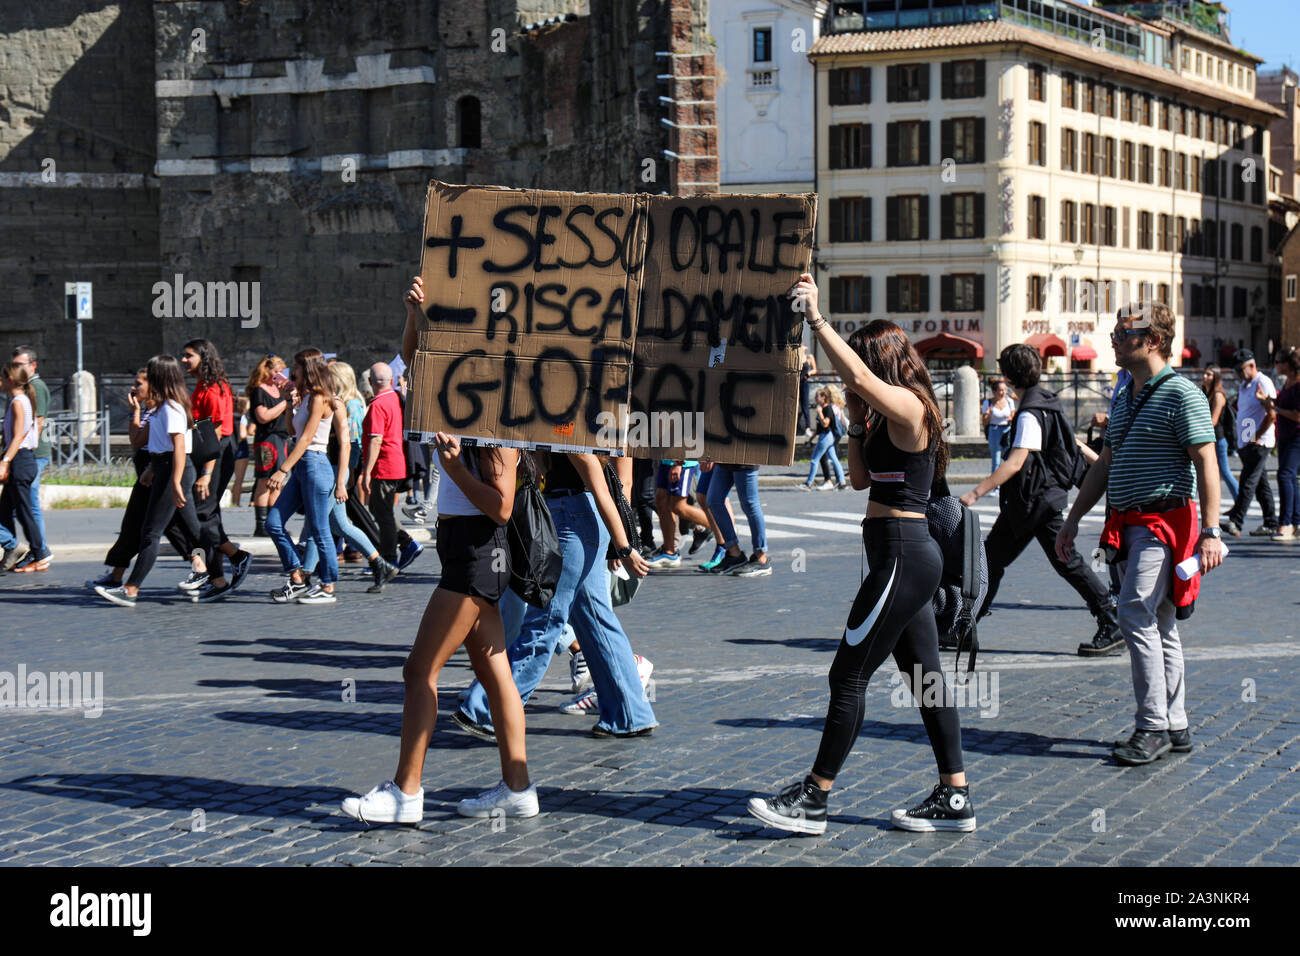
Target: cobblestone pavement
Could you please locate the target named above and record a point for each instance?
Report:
(225, 736)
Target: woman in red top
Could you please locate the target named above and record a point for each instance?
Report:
(213, 399)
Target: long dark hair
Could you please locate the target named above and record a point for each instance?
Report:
(210, 371)
(1216, 381)
(886, 350)
(167, 384)
(316, 372)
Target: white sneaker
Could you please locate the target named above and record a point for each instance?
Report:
(585, 705)
(386, 804)
(501, 797)
(316, 594)
(579, 675)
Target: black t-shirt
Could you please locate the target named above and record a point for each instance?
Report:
(277, 426)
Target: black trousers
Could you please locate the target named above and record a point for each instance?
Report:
(642, 494)
(1013, 531)
(391, 537)
(892, 616)
(804, 419)
(1254, 483)
(159, 511)
(212, 534)
(358, 513)
(16, 501)
(127, 545)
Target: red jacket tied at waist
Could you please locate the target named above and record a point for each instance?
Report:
(1179, 530)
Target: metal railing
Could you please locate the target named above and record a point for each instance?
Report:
(72, 440)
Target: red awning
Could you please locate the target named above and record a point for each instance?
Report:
(1191, 353)
(1083, 353)
(945, 340)
(1047, 344)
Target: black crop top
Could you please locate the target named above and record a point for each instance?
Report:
(899, 479)
(562, 475)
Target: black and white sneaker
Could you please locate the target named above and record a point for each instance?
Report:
(415, 513)
(730, 562)
(412, 551)
(799, 808)
(289, 593)
(116, 595)
(105, 580)
(754, 568)
(946, 808)
(699, 538)
(316, 594)
(462, 720)
(239, 566)
(213, 592)
(194, 582)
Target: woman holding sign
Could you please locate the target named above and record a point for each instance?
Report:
(896, 448)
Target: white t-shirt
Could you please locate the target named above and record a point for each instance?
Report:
(1029, 433)
(1251, 409)
(166, 421)
(30, 436)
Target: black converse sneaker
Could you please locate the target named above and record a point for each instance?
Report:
(946, 808)
(800, 808)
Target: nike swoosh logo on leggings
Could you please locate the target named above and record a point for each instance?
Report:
(853, 636)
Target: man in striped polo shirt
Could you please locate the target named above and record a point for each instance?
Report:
(1159, 444)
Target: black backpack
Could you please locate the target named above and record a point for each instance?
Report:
(535, 558)
(1059, 463)
(965, 579)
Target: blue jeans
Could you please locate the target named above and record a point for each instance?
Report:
(746, 483)
(1225, 469)
(311, 487)
(995, 443)
(41, 465)
(581, 597)
(1288, 486)
(340, 527)
(825, 446)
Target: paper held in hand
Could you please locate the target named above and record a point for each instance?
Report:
(655, 326)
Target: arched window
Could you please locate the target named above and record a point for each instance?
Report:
(467, 122)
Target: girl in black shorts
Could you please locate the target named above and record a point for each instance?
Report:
(896, 448)
(476, 496)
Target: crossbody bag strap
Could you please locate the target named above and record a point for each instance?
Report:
(1137, 407)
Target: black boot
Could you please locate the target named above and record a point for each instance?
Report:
(259, 521)
(1107, 640)
(383, 572)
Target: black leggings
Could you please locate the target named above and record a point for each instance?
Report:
(160, 511)
(892, 614)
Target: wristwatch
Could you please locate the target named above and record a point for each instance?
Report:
(1212, 533)
(623, 552)
(857, 431)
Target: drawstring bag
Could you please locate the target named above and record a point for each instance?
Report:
(535, 559)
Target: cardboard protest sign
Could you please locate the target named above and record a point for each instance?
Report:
(718, 333)
(531, 298)
(560, 319)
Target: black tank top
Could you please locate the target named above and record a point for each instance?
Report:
(562, 476)
(899, 479)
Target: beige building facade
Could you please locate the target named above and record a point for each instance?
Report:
(989, 183)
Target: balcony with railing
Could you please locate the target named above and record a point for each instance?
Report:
(1094, 26)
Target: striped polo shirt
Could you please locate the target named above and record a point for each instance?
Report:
(1151, 460)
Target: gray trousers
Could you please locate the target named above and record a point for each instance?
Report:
(1146, 619)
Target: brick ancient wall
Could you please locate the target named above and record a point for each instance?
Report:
(76, 87)
(294, 140)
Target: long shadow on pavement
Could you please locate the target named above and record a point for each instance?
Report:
(169, 792)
